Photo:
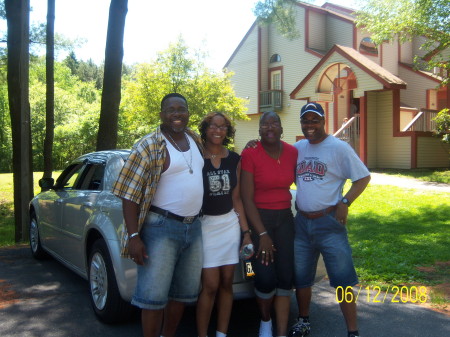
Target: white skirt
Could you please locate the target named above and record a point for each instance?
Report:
(221, 239)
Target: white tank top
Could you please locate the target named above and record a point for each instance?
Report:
(179, 191)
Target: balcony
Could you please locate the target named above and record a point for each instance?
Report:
(271, 100)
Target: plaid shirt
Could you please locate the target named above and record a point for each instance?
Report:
(140, 175)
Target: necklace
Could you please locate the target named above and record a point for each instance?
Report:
(271, 155)
(213, 156)
(279, 154)
(189, 163)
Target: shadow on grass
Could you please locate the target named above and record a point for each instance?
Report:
(389, 248)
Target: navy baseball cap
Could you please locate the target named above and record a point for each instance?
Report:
(312, 107)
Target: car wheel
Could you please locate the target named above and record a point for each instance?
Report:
(35, 242)
(106, 301)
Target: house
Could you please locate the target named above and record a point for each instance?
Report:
(387, 104)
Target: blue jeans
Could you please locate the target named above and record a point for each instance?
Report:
(326, 236)
(276, 278)
(174, 264)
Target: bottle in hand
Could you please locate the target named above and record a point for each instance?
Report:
(246, 252)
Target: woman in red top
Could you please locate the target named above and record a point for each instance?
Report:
(268, 171)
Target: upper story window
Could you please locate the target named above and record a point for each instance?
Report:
(275, 80)
(368, 46)
(275, 58)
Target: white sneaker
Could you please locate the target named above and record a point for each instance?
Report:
(265, 329)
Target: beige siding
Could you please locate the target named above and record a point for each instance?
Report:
(338, 32)
(415, 94)
(390, 57)
(317, 31)
(406, 117)
(245, 68)
(265, 58)
(432, 152)
(406, 53)
(246, 130)
(392, 152)
(371, 130)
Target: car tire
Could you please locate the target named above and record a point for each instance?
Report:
(106, 301)
(35, 241)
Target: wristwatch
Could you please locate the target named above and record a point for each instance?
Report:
(346, 201)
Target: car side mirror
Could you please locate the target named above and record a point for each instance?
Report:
(46, 183)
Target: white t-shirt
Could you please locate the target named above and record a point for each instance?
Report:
(179, 191)
(322, 170)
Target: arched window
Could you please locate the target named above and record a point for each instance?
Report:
(275, 58)
(368, 46)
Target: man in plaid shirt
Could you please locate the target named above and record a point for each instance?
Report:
(161, 188)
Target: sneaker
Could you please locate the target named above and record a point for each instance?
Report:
(300, 329)
(265, 329)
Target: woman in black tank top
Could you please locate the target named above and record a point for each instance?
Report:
(223, 216)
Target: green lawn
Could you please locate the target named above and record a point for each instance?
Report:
(7, 206)
(394, 233)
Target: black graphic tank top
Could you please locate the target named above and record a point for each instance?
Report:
(218, 184)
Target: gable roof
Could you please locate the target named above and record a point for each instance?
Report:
(328, 8)
(381, 75)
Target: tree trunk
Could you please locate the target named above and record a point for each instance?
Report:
(107, 131)
(50, 94)
(18, 20)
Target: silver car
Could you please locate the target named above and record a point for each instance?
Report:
(78, 221)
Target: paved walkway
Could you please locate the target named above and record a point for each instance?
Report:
(387, 179)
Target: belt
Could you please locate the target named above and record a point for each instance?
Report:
(170, 215)
(318, 214)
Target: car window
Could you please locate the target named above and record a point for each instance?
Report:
(69, 179)
(93, 178)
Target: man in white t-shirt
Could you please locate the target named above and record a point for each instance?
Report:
(161, 187)
(323, 166)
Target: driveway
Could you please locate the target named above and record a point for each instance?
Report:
(43, 298)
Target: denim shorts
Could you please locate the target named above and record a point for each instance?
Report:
(275, 278)
(326, 236)
(173, 268)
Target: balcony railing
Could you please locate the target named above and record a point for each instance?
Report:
(271, 100)
(349, 132)
(423, 121)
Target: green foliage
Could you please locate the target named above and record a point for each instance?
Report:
(279, 12)
(174, 70)
(77, 102)
(386, 19)
(443, 125)
(85, 71)
(76, 114)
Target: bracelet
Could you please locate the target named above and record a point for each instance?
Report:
(247, 231)
(263, 233)
(133, 235)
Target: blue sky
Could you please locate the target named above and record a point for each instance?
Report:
(214, 26)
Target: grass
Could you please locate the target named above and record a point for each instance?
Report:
(432, 175)
(397, 235)
(7, 206)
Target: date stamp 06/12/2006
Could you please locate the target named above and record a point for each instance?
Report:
(375, 294)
